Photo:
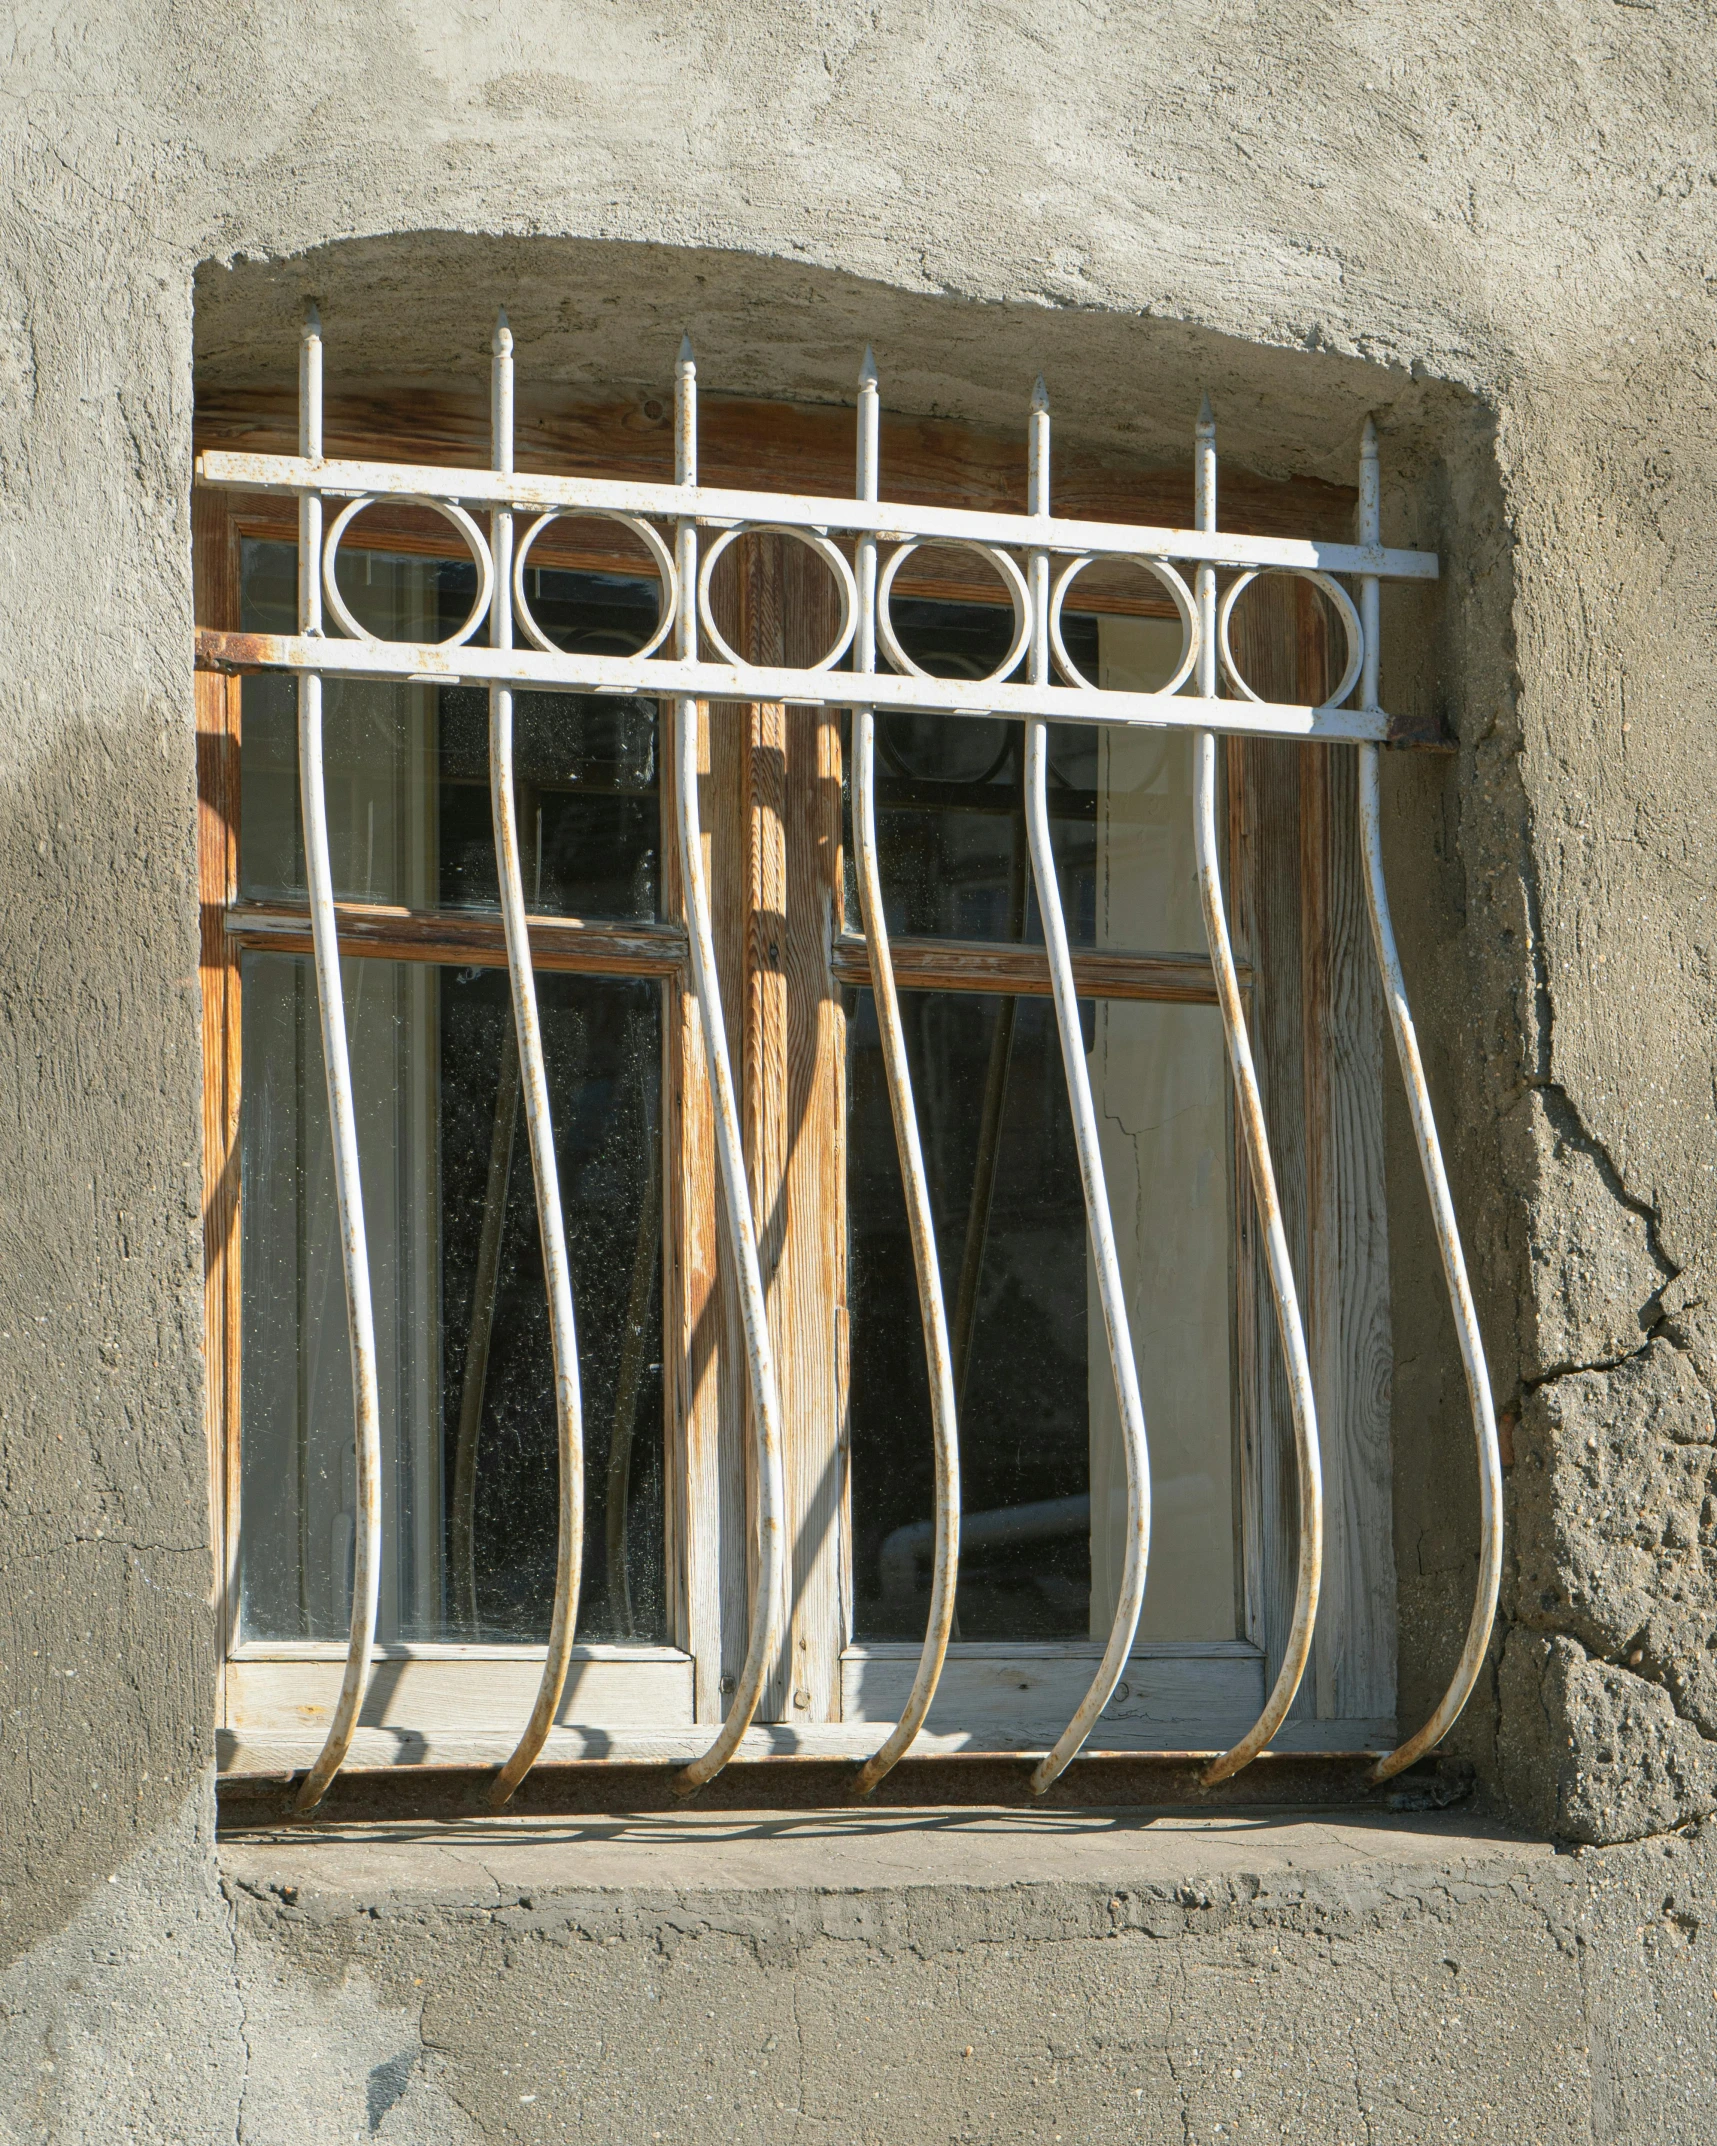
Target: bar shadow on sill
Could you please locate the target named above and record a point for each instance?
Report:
(1165, 1784)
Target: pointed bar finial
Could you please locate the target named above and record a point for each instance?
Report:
(1040, 395)
(312, 319)
(1368, 438)
(503, 342)
(867, 371)
(1206, 416)
(685, 358)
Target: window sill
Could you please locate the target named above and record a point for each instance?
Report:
(507, 1864)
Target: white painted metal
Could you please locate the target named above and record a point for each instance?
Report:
(1111, 1291)
(1339, 598)
(533, 1077)
(645, 533)
(1298, 1646)
(530, 670)
(768, 1608)
(342, 1118)
(933, 1317)
(1431, 1164)
(716, 509)
(466, 528)
(832, 557)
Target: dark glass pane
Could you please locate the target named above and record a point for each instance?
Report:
(1024, 1388)
(466, 1367)
(408, 765)
(1042, 1467)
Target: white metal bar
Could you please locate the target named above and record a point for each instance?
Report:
(1297, 1648)
(766, 1603)
(715, 508)
(342, 1116)
(529, 670)
(1431, 1163)
(533, 1080)
(933, 1317)
(1098, 1221)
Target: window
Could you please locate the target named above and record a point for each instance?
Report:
(466, 1374)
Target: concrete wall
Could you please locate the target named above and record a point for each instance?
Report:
(1494, 224)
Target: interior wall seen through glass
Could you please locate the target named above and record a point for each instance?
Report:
(466, 1374)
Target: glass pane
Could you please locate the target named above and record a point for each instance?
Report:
(408, 765)
(950, 817)
(1043, 1481)
(466, 1371)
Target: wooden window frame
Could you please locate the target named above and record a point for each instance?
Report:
(772, 829)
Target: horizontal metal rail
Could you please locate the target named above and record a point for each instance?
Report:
(530, 670)
(709, 507)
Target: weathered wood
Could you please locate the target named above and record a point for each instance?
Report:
(985, 965)
(456, 1695)
(561, 943)
(264, 1755)
(1026, 1694)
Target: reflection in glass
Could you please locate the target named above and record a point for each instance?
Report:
(408, 765)
(469, 1509)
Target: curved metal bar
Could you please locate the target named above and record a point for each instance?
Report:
(1298, 1646)
(449, 512)
(1339, 599)
(1454, 1275)
(766, 1604)
(814, 541)
(938, 1356)
(342, 1118)
(1012, 580)
(533, 1081)
(1185, 611)
(1431, 1163)
(1098, 1221)
(668, 594)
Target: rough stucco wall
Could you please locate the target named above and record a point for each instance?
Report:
(1515, 201)
(1442, 1988)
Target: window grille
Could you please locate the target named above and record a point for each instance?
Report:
(685, 528)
